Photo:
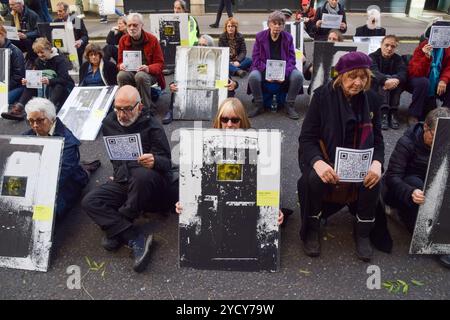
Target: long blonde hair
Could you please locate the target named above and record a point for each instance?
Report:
(238, 109)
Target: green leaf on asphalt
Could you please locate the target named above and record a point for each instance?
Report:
(103, 273)
(95, 265)
(88, 261)
(387, 285)
(417, 283)
(305, 271)
(405, 289)
(101, 265)
(402, 282)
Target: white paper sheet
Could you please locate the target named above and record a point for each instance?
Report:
(352, 165)
(332, 21)
(124, 147)
(33, 79)
(440, 37)
(132, 60)
(275, 70)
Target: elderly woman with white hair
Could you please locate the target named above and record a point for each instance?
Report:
(41, 117)
(372, 28)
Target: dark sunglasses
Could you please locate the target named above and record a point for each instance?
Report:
(226, 119)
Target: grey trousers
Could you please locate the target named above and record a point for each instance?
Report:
(142, 81)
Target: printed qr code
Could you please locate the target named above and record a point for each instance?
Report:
(124, 148)
(352, 166)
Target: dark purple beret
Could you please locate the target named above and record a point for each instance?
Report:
(353, 60)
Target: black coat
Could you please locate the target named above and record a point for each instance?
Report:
(113, 37)
(241, 49)
(60, 65)
(16, 65)
(384, 69)
(28, 22)
(322, 33)
(153, 140)
(409, 158)
(108, 71)
(364, 31)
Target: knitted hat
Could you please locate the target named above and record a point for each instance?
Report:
(353, 60)
(286, 12)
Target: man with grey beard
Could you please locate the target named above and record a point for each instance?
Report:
(137, 186)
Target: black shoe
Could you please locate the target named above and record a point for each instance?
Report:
(214, 25)
(258, 108)
(91, 166)
(311, 245)
(361, 232)
(445, 260)
(384, 121)
(168, 117)
(393, 120)
(241, 73)
(141, 251)
(291, 113)
(111, 244)
(167, 72)
(17, 113)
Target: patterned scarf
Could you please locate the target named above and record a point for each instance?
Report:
(435, 70)
(332, 10)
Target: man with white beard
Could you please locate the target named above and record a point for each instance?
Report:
(137, 186)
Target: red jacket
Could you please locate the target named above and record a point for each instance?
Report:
(310, 14)
(153, 55)
(419, 65)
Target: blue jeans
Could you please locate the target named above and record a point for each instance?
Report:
(15, 94)
(245, 64)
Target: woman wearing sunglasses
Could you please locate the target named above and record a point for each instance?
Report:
(231, 115)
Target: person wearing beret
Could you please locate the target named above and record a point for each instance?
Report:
(342, 113)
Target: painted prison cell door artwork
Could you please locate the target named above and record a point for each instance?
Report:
(172, 31)
(221, 177)
(201, 74)
(29, 168)
(432, 230)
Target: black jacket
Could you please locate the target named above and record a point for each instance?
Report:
(28, 22)
(108, 71)
(153, 140)
(384, 69)
(59, 64)
(113, 37)
(241, 49)
(16, 65)
(322, 33)
(409, 158)
(364, 31)
(323, 122)
(80, 33)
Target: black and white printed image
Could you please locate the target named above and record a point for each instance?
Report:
(4, 79)
(172, 30)
(85, 109)
(198, 72)
(352, 165)
(432, 230)
(124, 147)
(440, 36)
(29, 168)
(228, 221)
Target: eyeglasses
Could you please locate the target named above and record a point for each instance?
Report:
(226, 119)
(126, 109)
(39, 121)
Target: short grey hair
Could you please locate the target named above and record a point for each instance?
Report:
(182, 4)
(277, 16)
(135, 15)
(20, 2)
(434, 115)
(41, 105)
(208, 39)
(122, 18)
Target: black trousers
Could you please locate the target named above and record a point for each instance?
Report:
(113, 206)
(407, 209)
(56, 94)
(224, 4)
(390, 98)
(364, 206)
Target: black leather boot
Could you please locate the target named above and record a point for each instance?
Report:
(311, 245)
(393, 119)
(361, 233)
(384, 118)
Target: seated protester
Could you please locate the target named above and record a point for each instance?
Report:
(96, 71)
(357, 126)
(138, 186)
(16, 67)
(41, 116)
(79, 29)
(429, 77)
(404, 180)
(274, 43)
(390, 73)
(41, 8)
(372, 28)
(56, 81)
(111, 49)
(287, 14)
(25, 20)
(150, 72)
(307, 14)
(329, 7)
(179, 6)
(231, 38)
(231, 115)
(204, 41)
